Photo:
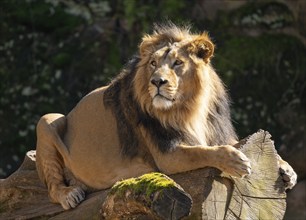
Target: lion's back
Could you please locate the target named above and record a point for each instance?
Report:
(95, 150)
(91, 136)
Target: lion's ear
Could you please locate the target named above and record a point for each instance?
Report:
(202, 47)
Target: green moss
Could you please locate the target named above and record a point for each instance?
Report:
(147, 183)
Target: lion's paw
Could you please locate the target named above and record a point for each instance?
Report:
(233, 162)
(71, 197)
(288, 175)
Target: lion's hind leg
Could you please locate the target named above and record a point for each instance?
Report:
(51, 156)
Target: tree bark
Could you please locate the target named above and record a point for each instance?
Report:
(200, 194)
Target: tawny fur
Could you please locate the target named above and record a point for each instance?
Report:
(166, 111)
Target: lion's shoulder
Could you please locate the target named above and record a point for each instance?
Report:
(119, 98)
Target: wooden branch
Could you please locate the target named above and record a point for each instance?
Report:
(214, 195)
(258, 196)
(262, 194)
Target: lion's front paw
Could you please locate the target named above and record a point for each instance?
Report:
(233, 161)
(71, 197)
(287, 173)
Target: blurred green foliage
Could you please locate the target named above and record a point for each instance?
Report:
(53, 52)
(268, 74)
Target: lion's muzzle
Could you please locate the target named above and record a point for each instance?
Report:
(158, 81)
(161, 92)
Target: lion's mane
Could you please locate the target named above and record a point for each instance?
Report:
(127, 97)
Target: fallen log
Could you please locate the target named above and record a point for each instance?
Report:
(200, 194)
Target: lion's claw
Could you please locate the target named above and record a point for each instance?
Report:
(72, 197)
(234, 162)
(288, 175)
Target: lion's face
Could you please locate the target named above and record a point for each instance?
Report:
(167, 68)
(172, 70)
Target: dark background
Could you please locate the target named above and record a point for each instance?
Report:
(53, 52)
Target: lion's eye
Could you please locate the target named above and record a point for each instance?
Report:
(177, 63)
(153, 63)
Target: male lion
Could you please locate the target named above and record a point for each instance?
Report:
(166, 111)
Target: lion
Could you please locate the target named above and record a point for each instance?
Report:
(167, 111)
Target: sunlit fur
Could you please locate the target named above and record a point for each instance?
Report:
(166, 111)
(199, 97)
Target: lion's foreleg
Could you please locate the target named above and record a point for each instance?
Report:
(185, 158)
(51, 155)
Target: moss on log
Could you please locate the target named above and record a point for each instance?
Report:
(150, 196)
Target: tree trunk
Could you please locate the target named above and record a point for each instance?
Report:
(199, 194)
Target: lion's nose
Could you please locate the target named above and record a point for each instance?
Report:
(158, 82)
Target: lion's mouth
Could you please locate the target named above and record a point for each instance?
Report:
(164, 97)
(161, 99)
(162, 102)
